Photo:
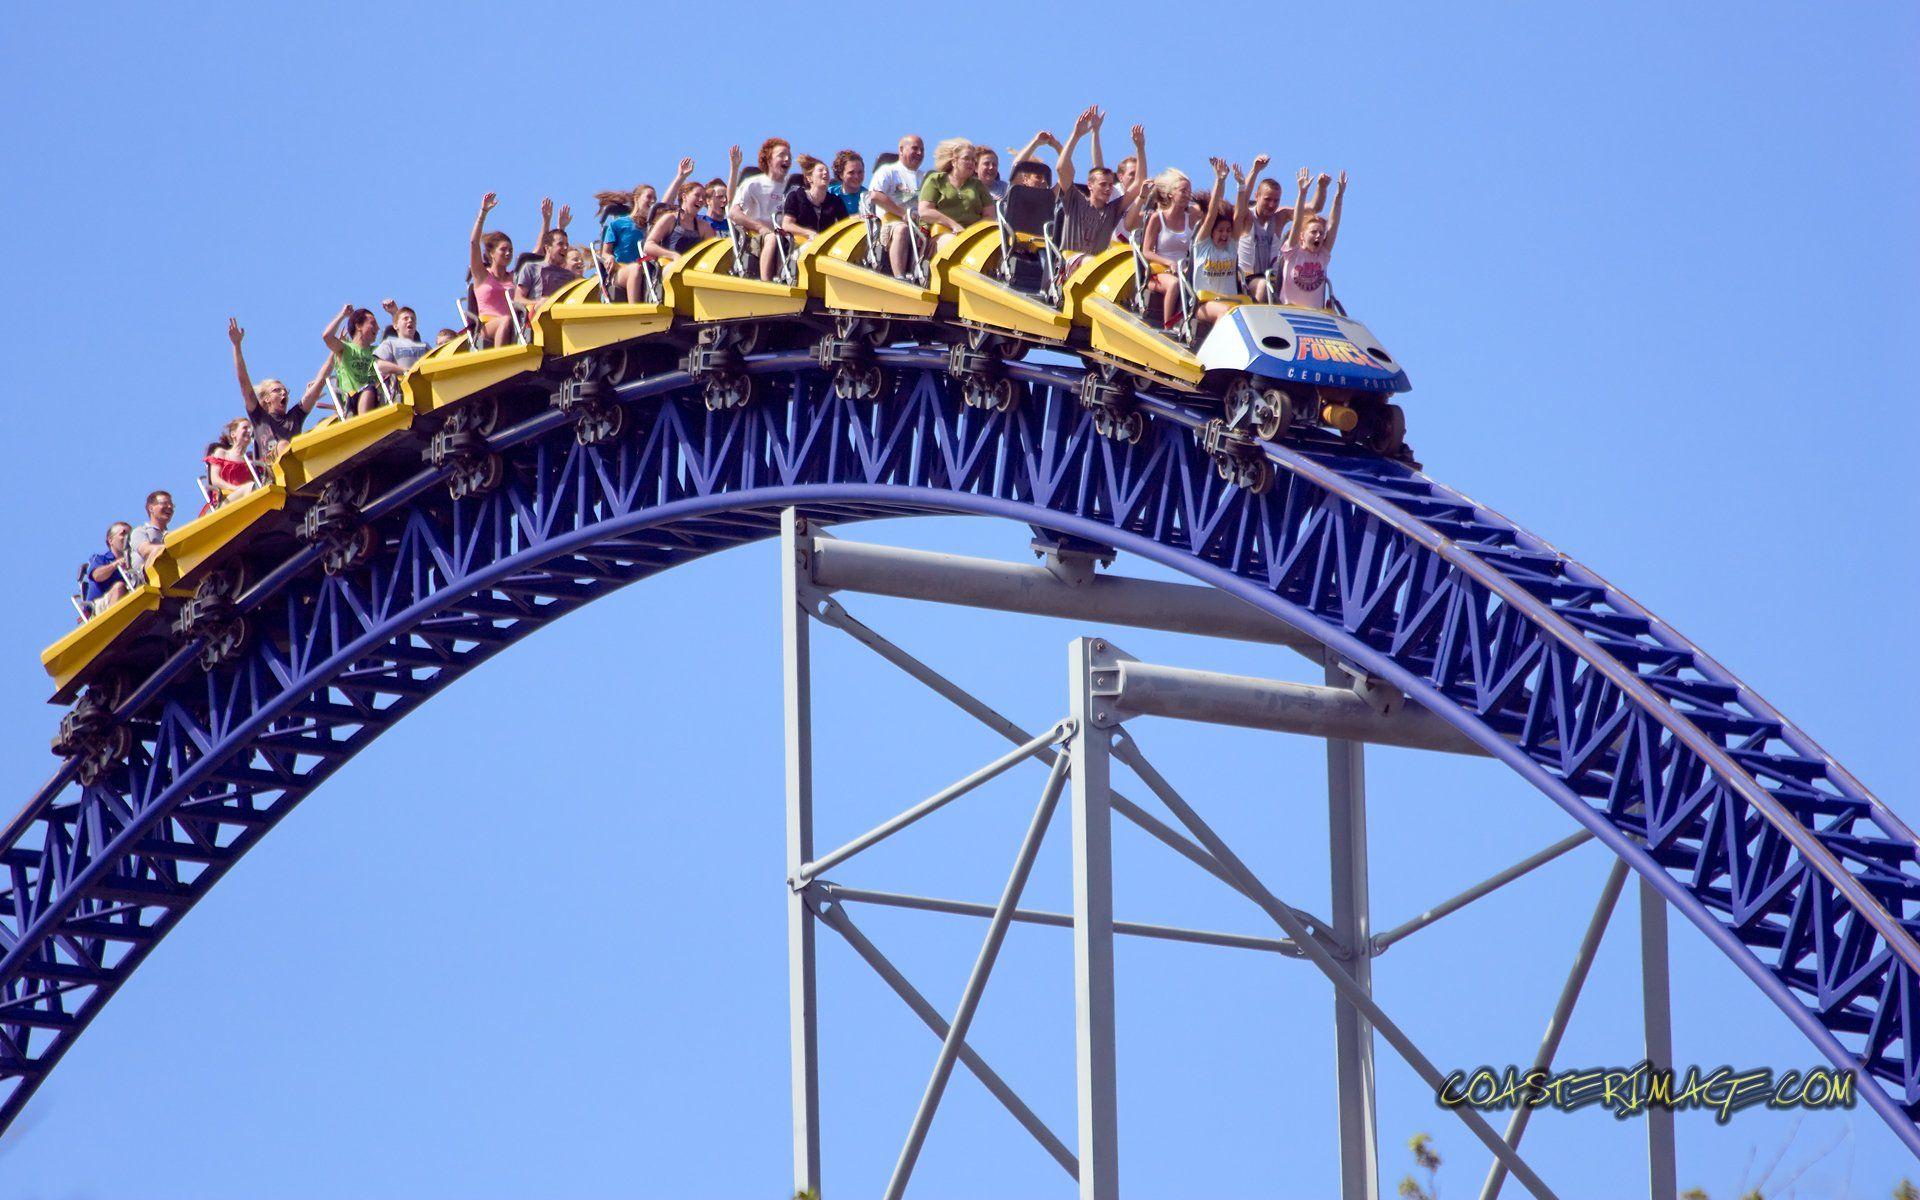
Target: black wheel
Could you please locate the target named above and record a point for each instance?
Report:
(979, 339)
(879, 331)
(1223, 467)
(1133, 427)
(1259, 476)
(869, 382)
(618, 363)
(492, 470)
(1003, 394)
(1013, 349)
(748, 337)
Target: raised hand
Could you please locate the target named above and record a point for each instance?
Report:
(1324, 180)
(733, 155)
(1098, 114)
(686, 167)
(1139, 136)
(1219, 167)
(1083, 124)
(389, 306)
(234, 332)
(546, 210)
(1260, 162)
(1306, 177)
(487, 202)
(566, 214)
(1047, 139)
(1343, 181)
(1239, 176)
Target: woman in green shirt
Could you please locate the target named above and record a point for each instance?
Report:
(953, 196)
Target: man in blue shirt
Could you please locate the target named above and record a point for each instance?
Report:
(103, 582)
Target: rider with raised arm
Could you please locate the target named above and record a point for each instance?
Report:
(1090, 219)
(487, 270)
(265, 403)
(399, 346)
(353, 365)
(1216, 268)
(1303, 263)
(679, 229)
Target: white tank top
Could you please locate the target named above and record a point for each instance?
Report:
(1172, 243)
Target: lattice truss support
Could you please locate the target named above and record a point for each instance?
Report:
(1077, 750)
(1735, 817)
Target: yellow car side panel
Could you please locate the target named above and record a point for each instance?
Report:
(457, 376)
(987, 301)
(1119, 334)
(315, 454)
(66, 658)
(189, 547)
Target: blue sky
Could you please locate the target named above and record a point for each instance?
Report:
(1651, 266)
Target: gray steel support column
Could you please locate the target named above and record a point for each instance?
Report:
(1352, 1034)
(1562, 1013)
(1662, 1172)
(1096, 1080)
(956, 1035)
(803, 1025)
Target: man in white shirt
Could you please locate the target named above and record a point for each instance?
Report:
(895, 190)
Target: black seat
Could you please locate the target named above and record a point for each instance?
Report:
(1025, 214)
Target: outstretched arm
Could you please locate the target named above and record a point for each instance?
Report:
(331, 334)
(1243, 201)
(733, 169)
(475, 264)
(234, 334)
(1082, 125)
(1299, 210)
(1320, 194)
(546, 220)
(1094, 125)
(1140, 173)
(316, 386)
(1213, 199)
(680, 176)
(1333, 218)
(1043, 138)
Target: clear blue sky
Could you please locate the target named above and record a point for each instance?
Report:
(1652, 268)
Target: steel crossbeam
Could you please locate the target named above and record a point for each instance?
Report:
(1735, 817)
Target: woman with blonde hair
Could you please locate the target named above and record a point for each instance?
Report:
(1168, 236)
(952, 195)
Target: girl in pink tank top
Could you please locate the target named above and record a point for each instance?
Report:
(1303, 262)
(488, 257)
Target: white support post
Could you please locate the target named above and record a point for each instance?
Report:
(1090, 768)
(802, 997)
(1352, 1033)
(1663, 1181)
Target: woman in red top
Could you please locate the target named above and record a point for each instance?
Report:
(229, 476)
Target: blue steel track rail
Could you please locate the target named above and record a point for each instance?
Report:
(1805, 880)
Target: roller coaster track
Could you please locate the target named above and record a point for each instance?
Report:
(1783, 860)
